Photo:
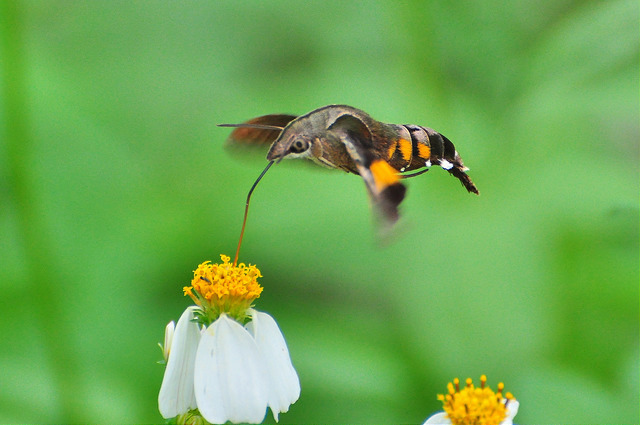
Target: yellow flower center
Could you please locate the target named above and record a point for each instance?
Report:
(224, 288)
(475, 406)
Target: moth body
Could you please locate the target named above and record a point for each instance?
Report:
(346, 138)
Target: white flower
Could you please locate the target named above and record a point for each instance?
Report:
(217, 369)
(475, 405)
(229, 372)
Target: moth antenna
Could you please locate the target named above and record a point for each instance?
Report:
(246, 209)
(259, 126)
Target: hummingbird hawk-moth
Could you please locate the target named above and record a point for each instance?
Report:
(343, 137)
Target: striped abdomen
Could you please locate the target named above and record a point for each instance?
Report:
(418, 148)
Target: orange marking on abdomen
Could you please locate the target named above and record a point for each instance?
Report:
(424, 151)
(406, 149)
(391, 151)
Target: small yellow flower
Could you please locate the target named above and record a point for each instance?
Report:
(475, 405)
(224, 288)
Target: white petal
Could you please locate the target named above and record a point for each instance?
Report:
(438, 419)
(230, 383)
(168, 338)
(283, 383)
(512, 411)
(176, 393)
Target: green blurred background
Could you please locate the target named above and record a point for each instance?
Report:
(114, 185)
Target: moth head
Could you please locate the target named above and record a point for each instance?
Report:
(292, 143)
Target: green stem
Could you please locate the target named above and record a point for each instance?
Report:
(42, 276)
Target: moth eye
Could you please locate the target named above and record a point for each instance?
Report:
(299, 146)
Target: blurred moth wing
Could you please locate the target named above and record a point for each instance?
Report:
(259, 132)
